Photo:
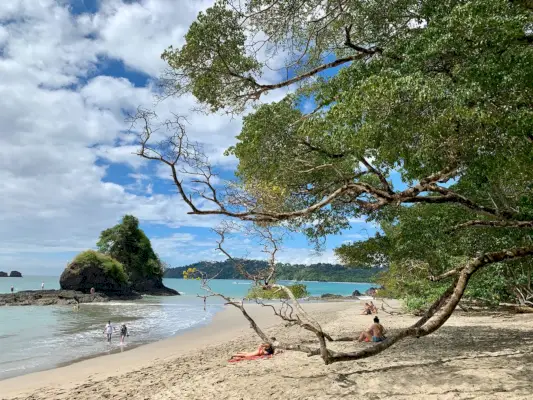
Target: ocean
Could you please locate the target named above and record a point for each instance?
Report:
(34, 338)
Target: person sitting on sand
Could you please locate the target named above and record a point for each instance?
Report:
(375, 333)
(373, 308)
(265, 349)
(367, 310)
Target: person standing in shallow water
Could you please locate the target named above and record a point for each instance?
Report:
(12, 288)
(108, 330)
(123, 333)
(42, 286)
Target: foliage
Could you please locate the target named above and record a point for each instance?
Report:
(258, 292)
(427, 88)
(416, 246)
(111, 267)
(127, 243)
(315, 272)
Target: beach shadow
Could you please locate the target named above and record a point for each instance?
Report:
(447, 345)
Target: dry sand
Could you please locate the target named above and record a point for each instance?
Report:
(474, 356)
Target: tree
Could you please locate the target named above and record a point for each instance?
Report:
(128, 244)
(436, 93)
(416, 247)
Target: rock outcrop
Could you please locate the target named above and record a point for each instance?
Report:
(154, 287)
(83, 278)
(331, 296)
(91, 270)
(60, 297)
(94, 270)
(356, 293)
(15, 274)
(373, 291)
(3, 274)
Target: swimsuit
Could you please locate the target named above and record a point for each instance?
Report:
(377, 339)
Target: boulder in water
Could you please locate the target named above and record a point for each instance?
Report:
(331, 296)
(3, 274)
(15, 274)
(356, 293)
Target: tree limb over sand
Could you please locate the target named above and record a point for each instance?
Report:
(437, 314)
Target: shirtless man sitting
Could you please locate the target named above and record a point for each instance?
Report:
(375, 333)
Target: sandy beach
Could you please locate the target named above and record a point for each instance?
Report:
(474, 356)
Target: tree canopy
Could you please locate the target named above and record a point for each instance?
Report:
(128, 244)
(421, 121)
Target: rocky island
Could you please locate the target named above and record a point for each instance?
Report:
(124, 268)
(12, 274)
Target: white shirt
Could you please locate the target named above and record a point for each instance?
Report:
(109, 328)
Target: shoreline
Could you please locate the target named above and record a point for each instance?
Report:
(226, 325)
(474, 356)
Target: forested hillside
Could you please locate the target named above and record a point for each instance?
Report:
(314, 272)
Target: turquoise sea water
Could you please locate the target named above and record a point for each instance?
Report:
(34, 338)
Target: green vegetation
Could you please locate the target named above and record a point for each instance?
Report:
(413, 114)
(437, 93)
(418, 242)
(315, 272)
(128, 244)
(111, 267)
(257, 292)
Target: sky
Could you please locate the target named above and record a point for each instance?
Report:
(71, 70)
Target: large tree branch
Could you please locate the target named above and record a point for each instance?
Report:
(262, 88)
(365, 50)
(366, 196)
(443, 308)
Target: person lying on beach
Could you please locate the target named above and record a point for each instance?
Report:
(265, 349)
(375, 333)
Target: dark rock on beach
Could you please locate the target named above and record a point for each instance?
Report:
(60, 297)
(356, 293)
(15, 274)
(331, 296)
(372, 291)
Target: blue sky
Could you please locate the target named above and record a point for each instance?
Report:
(70, 70)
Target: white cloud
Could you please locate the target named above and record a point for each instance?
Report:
(139, 32)
(60, 118)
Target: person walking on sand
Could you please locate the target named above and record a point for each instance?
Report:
(375, 333)
(123, 333)
(108, 330)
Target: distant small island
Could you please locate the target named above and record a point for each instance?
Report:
(322, 272)
(12, 274)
